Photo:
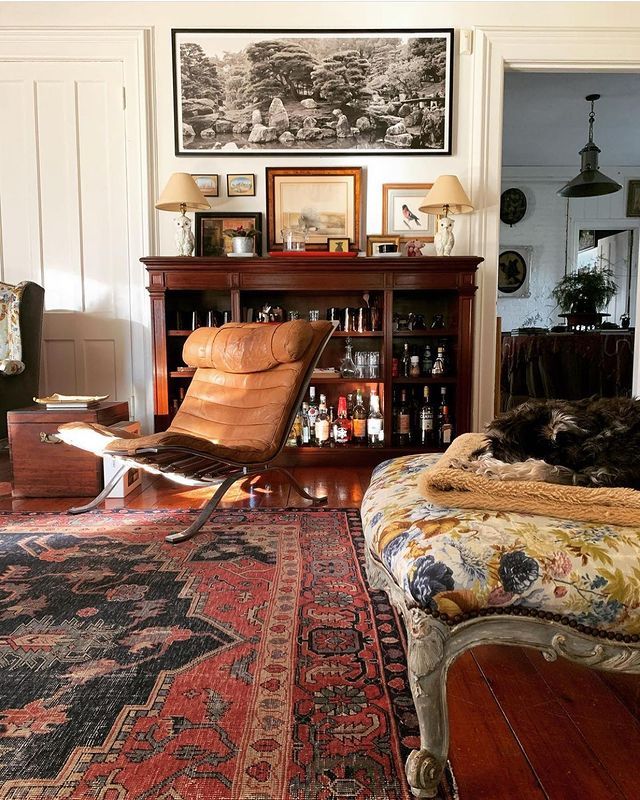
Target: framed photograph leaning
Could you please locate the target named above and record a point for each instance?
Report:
(302, 92)
(211, 239)
(323, 201)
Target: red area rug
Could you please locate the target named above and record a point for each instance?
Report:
(250, 663)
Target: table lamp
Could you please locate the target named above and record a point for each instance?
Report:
(182, 194)
(445, 197)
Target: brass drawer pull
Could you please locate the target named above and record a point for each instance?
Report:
(49, 438)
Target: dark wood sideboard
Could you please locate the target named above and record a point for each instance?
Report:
(428, 286)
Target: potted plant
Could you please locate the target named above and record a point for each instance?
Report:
(242, 239)
(581, 295)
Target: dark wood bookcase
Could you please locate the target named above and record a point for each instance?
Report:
(428, 286)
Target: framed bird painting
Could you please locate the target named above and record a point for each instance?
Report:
(401, 215)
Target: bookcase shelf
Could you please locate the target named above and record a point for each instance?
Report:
(428, 286)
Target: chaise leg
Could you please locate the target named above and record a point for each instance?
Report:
(316, 501)
(206, 512)
(103, 494)
(427, 676)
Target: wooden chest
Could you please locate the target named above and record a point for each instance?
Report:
(43, 466)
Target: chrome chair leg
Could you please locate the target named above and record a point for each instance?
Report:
(206, 512)
(316, 501)
(103, 494)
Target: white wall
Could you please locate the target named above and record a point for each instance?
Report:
(161, 17)
(550, 225)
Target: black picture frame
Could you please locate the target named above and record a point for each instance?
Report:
(438, 117)
(202, 237)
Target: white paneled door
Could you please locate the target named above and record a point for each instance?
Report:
(63, 216)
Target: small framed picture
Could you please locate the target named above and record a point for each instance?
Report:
(633, 199)
(211, 239)
(383, 245)
(338, 244)
(401, 214)
(241, 185)
(208, 184)
(514, 267)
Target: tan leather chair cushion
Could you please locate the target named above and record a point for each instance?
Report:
(247, 348)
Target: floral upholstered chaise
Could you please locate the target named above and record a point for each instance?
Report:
(467, 577)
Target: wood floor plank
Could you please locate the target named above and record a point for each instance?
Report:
(487, 760)
(626, 688)
(606, 725)
(555, 747)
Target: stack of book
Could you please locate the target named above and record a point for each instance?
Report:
(61, 402)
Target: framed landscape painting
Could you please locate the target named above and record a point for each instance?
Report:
(290, 92)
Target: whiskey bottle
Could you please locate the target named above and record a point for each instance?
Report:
(322, 424)
(445, 426)
(305, 425)
(332, 425)
(343, 425)
(403, 420)
(427, 361)
(359, 420)
(427, 437)
(405, 362)
(375, 422)
(313, 414)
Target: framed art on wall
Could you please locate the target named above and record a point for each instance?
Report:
(514, 266)
(210, 226)
(633, 199)
(302, 92)
(323, 201)
(208, 184)
(400, 210)
(243, 185)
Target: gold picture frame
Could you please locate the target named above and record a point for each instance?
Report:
(373, 242)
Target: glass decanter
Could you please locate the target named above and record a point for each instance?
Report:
(347, 366)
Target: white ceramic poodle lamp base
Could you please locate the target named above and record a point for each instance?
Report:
(182, 194)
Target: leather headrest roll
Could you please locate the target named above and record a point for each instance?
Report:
(247, 347)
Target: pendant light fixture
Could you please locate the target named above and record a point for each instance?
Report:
(590, 182)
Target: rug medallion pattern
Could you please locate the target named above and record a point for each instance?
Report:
(247, 664)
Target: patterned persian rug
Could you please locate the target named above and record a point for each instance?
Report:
(249, 663)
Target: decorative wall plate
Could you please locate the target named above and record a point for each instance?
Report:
(513, 206)
(513, 273)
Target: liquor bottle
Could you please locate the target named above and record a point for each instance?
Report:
(427, 433)
(297, 429)
(405, 362)
(343, 425)
(375, 422)
(359, 420)
(313, 414)
(305, 425)
(322, 424)
(332, 425)
(403, 420)
(427, 361)
(350, 405)
(445, 426)
(439, 364)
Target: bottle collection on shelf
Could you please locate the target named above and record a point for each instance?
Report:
(412, 364)
(414, 423)
(317, 425)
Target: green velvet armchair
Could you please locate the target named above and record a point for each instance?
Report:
(21, 309)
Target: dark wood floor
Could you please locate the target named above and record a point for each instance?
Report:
(521, 728)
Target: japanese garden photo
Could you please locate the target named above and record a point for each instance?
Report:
(287, 92)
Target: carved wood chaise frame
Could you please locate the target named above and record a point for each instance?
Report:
(433, 645)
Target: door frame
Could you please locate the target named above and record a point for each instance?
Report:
(497, 49)
(133, 48)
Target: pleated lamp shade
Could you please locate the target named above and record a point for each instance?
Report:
(446, 193)
(182, 190)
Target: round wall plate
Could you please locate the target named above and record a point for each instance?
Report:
(512, 271)
(513, 206)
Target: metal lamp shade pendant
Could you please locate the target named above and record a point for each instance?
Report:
(590, 182)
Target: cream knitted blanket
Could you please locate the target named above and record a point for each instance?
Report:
(449, 485)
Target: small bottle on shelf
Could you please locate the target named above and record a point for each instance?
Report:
(332, 425)
(403, 421)
(439, 363)
(347, 366)
(426, 421)
(359, 420)
(445, 425)
(375, 422)
(297, 429)
(313, 414)
(405, 362)
(415, 367)
(427, 361)
(350, 405)
(322, 424)
(343, 425)
(305, 425)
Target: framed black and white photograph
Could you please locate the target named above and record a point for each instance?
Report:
(290, 92)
